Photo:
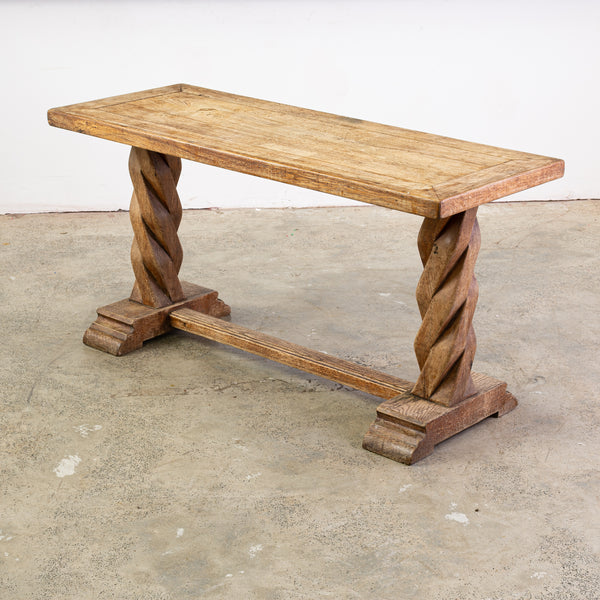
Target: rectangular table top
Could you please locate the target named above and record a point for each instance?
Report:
(406, 170)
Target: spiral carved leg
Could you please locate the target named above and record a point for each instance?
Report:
(156, 256)
(447, 294)
(155, 214)
(447, 398)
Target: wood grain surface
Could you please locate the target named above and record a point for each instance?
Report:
(408, 427)
(447, 296)
(339, 370)
(124, 326)
(155, 214)
(406, 170)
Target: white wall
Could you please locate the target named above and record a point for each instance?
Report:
(511, 73)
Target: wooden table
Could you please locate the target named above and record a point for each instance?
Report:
(441, 179)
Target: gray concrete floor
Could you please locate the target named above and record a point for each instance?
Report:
(191, 470)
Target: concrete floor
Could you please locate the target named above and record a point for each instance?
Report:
(190, 470)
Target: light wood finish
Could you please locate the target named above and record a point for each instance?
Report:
(124, 326)
(442, 179)
(155, 214)
(406, 170)
(339, 370)
(447, 294)
(156, 257)
(408, 427)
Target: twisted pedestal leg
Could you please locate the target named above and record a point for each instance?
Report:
(156, 257)
(447, 294)
(446, 398)
(155, 215)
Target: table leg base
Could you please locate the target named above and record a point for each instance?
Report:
(408, 427)
(124, 326)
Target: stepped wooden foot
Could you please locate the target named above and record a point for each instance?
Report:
(124, 326)
(408, 427)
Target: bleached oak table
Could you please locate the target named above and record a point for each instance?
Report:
(444, 180)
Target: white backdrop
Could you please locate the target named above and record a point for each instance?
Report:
(513, 73)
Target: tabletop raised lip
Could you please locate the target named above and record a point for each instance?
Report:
(441, 179)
